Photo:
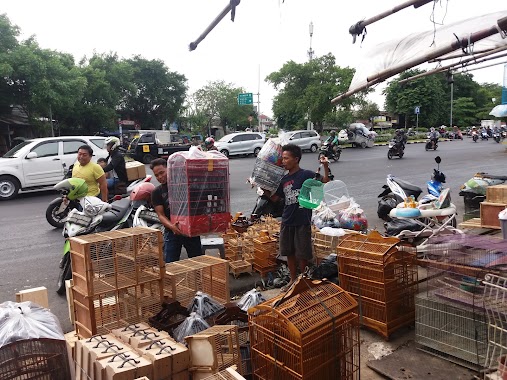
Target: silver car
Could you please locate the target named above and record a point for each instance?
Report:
(306, 140)
(241, 143)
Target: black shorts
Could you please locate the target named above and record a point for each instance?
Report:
(296, 241)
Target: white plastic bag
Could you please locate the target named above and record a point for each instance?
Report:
(27, 320)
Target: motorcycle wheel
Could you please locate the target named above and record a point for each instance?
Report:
(65, 274)
(56, 220)
(426, 147)
(401, 154)
(435, 147)
(389, 154)
(336, 156)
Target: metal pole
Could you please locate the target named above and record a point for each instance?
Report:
(452, 96)
(51, 120)
(417, 121)
(259, 100)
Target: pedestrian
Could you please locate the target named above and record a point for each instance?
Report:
(295, 231)
(92, 173)
(173, 237)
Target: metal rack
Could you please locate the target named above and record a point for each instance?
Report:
(495, 303)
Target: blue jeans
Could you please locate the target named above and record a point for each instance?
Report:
(173, 244)
(111, 182)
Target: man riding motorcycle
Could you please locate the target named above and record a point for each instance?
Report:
(332, 141)
(209, 144)
(400, 138)
(434, 135)
(118, 182)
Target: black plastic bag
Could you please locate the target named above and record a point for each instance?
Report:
(385, 205)
(395, 226)
(326, 269)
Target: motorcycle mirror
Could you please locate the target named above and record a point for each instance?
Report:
(438, 160)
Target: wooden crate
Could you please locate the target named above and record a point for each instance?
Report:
(496, 194)
(214, 349)
(240, 266)
(489, 214)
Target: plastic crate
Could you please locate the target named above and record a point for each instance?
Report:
(310, 333)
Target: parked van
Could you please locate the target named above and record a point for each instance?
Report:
(241, 143)
(306, 140)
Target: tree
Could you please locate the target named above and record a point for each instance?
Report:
(366, 110)
(43, 82)
(156, 95)
(8, 41)
(306, 90)
(464, 110)
(426, 92)
(219, 100)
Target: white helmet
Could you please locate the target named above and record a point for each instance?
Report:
(113, 142)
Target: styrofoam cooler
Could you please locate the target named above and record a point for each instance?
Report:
(502, 216)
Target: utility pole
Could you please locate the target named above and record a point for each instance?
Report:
(259, 127)
(309, 125)
(51, 121)
(450, 80)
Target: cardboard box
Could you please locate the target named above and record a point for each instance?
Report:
(70, 299)
(122, 367)
(496, 194)
(489, 214)
(168, 358)
(135, 170)
(36, 295)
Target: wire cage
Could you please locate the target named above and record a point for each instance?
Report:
(106, 261)
(267, 175)
(198, 190)
(382, 276)
(336, 195)
(214, 349)
(35, 359)
(450, 313)
(207, 274)
(311, 332)
(495, 303)
(324, 245)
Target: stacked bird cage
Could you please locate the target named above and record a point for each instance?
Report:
(324, 245)
(213, 350)
(450, 314)
(495, 303)
(198, 190)
(232, 244)
(382, 277)
(117, 278)
(311, 332)
(207, 274)
(265, 252)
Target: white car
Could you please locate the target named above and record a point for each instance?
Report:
(241, 143)
(306, 140)
(38, 164)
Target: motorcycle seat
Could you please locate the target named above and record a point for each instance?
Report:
(118, 211)
(408, 186)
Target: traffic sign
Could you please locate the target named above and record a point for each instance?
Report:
(245, 99)
(417, 110)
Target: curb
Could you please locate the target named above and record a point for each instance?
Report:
(387, 143)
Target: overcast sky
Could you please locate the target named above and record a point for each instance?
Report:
(266, 33)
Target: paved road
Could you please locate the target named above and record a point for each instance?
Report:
(30, 248)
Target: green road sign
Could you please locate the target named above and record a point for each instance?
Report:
(244, 99)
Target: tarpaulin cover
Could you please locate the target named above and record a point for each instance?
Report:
(392, 54)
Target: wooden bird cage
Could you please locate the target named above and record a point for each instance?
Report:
(310, 333)
(382, 277)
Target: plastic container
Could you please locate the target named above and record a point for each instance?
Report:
(311, 194)
(502, 217)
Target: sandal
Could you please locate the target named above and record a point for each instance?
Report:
(284, 288)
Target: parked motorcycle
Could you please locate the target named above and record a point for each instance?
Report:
(473, 191)
(59, 208)
(332, 153)
(96, 216)
(396, 191)
(396, 148)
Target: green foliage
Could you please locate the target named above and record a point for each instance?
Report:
(464, 110)
(218, 100)
(306, 90)
(366, 110)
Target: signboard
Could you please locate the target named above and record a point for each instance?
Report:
(245, 99)
(127, 122)
(417, 110)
